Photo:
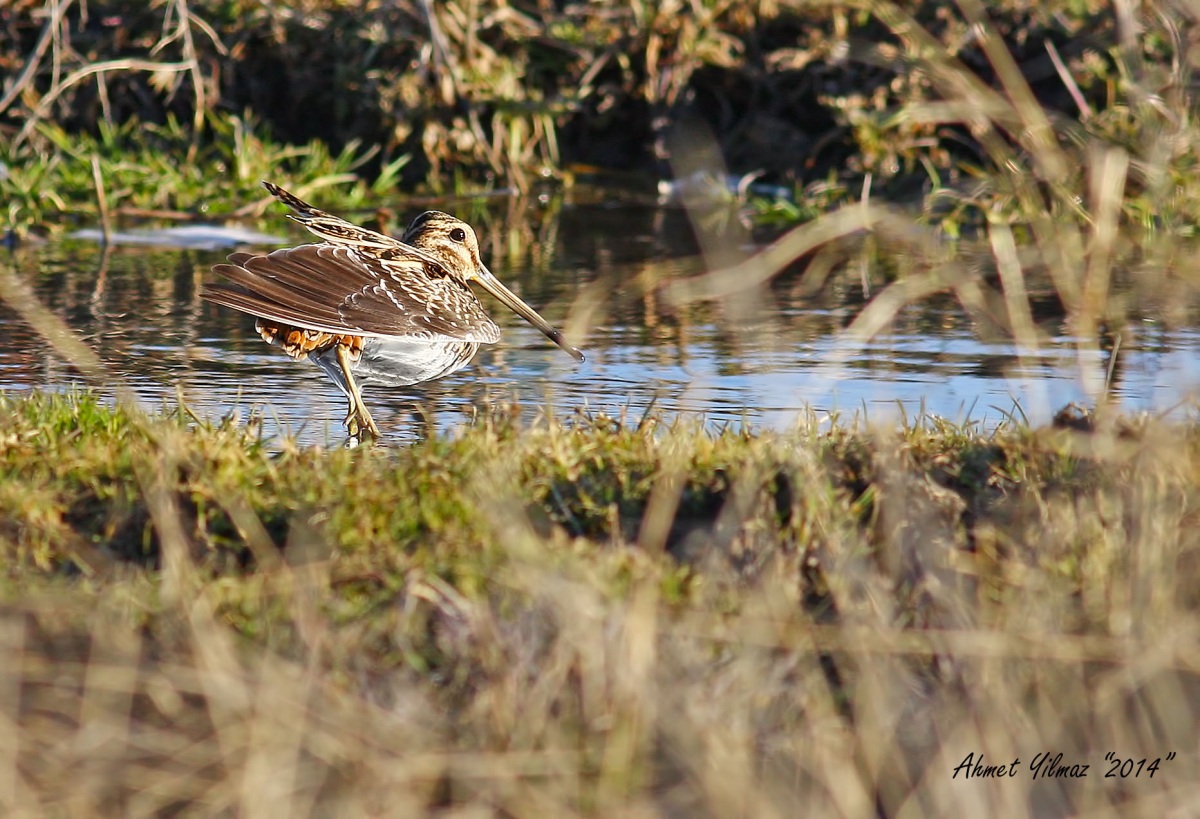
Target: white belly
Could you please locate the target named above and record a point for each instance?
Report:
(396, 362)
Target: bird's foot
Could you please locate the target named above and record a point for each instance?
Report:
(368, 422)
(359, 422)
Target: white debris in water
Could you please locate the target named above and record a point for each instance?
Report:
(188, 237)
(712, 187)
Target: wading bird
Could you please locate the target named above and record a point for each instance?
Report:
(365, 306)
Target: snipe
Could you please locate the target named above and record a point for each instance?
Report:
(366, 307)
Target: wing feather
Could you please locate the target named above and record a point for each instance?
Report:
(339, 289)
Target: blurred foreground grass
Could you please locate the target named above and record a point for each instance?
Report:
(583, 617)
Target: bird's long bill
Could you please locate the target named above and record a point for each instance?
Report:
(513, 302)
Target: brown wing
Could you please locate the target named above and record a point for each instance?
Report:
(338, 289)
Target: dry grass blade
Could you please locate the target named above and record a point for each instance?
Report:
(1012, 279)
(54, 21)
(20, 297)
(42, 109)
(758, 270)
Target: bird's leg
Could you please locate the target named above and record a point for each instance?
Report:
(358, 418)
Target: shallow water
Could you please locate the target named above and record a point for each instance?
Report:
(138, 308)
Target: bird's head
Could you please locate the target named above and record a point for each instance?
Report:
(454, 246)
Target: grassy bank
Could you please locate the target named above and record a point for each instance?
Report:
(935, 106)
(588, 617)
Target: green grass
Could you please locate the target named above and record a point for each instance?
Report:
(141, 172)
(588, 617)
(901, 102)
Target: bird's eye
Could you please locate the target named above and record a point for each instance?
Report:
(458, 235)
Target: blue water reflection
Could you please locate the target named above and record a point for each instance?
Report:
(139, 310)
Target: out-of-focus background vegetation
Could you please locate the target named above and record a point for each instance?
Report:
(185, 105)
(599, 616)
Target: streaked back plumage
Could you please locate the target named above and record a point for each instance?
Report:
(364, 283)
